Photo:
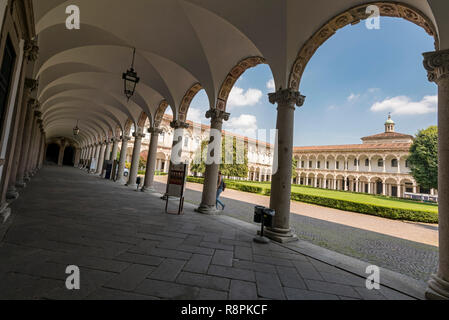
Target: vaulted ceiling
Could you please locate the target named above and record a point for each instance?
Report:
(179, 43)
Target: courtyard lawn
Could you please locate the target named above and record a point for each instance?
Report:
(391, 208)
(354, 197)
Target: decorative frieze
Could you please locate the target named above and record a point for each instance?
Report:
(354, 16)
(31, 50)
(177, 124)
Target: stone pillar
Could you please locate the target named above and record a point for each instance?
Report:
(208, 199)
(122, 161)
(97, 155)
(101, 158)
(280, 186)
(135, 159)
(151, 160)
(437, 66)
(114, 149)
(107, 152)
(62, 147)
(384, 162)
(384, 189)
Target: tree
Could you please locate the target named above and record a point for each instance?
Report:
(294, 166)
(423, 159)
(233, 169)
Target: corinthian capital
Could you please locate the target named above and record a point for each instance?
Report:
(216, 114)
(155, 130)
(179, 125)
(288, 97)
(437, 65)
(31, 50)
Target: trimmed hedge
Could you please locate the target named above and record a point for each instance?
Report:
(346, 205)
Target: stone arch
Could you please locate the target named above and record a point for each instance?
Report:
(353, 16)
(128, 125)
(186, 100)
(160, 113)
(232, 78)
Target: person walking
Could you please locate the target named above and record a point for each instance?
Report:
(220, 188)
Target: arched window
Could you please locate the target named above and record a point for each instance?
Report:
(380, 163)
(394, 163)
(186, 142)
(366, 162)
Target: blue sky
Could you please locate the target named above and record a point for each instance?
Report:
(352, 82)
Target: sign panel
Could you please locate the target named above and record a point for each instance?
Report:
(176, 183)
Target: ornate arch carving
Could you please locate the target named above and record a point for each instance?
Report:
(232, 78)
(354, 16)
(185, 103)
(160, 113)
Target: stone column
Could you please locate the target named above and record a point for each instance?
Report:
(122, 161)
(209, 195)
(151, 159)
(437, 66)
(107, 152)
(97, 154)
(101, 158)
(135, 160)
(62, 147)
(280, 186)
(114, 148)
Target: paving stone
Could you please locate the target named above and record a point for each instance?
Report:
(203, 281)
(332, 288)
(243, 253)
(168, 270)
(168, 290)
(290, 278)
(346, 278)
(167, 253)
(255, 266)
(269, 286)
(272, 260)
(129, 279)
(140, 259)
(198, 263)
(301, 294)
(232, 273)
(307, 271)
(391, 294)
(242, 290)
(223, 258)
(92, 263)
(218, 246)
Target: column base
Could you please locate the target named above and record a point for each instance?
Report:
(148, 189)
(438, 289)
(280, 235)
(207, 209)
(21, 184)
(11, 193)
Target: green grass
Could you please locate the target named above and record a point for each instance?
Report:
(354, 197)
(386, 207)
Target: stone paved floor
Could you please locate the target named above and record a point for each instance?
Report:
(396, 245)
(127, 248)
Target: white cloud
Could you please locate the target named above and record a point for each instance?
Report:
(353, 97)
(241, 98)
(196, 115)
(271, 85)
(245, 125)
(404, 105)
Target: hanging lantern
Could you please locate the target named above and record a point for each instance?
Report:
(130, 79)
(76, 130)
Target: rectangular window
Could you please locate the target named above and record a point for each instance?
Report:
(6, 71)
(302, 164)
(337, 165)
(327, 165)
(318, 165)
(380, 163)
(310, 164)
